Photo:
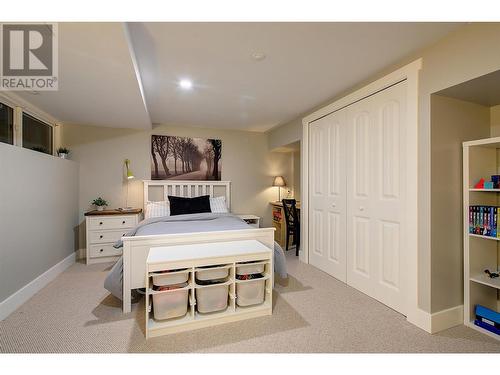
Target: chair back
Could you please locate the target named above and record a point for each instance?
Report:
(291, 214)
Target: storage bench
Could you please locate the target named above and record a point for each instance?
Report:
(213, 293)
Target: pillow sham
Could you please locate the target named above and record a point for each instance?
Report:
(218, 205)
(157, 209)
(182, 206)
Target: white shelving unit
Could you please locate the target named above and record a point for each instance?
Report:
(192, 257)
(481, 159)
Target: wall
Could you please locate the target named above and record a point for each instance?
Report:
(285, 134)
(39, 206)
(470, 52)
(100, 152)
(495, 121)
(466, 121)
(296, 174)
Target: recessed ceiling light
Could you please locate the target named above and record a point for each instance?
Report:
(185, 84)
(258, 56)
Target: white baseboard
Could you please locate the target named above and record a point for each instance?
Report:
(421, 319)
(438, 321)
(448, 318)
(14, 301)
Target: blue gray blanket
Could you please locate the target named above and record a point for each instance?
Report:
(205, 222)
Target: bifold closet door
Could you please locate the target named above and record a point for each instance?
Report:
(327, 204)
(376, 161)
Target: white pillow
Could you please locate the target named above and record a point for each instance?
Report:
(157, 209)
(218, 205)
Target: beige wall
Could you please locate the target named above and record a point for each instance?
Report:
(453, 121)
(296, 174)
(470, 52)
(100, 152)
(39, 206)
(285, 134)
(495, 121)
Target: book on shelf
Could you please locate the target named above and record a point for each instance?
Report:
(484, 220)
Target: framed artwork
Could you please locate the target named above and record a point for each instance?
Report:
(181, 158)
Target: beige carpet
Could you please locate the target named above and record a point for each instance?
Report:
(313, 313)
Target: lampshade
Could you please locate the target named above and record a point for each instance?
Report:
(279, 181)
(130, 175)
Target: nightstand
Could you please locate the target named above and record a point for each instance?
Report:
(104, 228)
(252, 220)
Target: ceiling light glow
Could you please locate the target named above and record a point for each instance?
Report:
(185, 84)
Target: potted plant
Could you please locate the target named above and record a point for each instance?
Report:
(99, 203)
(63, 152)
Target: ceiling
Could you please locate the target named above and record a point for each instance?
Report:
(482, 90)
(127, 75)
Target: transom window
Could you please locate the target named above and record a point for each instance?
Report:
(37, 135)
(6, 124)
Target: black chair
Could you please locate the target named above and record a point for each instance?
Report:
(292, 223)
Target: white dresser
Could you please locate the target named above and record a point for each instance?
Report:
(104, 228)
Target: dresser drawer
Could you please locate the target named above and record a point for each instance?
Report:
(104, 250)
(117, 222)
(103, 236)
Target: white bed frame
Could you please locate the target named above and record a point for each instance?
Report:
(136, 248)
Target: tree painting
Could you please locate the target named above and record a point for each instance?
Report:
(185, 158)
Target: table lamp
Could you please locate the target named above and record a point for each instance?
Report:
(279, 181)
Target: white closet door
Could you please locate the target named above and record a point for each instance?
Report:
(376, 195)
(327, 210)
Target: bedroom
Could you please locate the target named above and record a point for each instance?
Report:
(182, 149)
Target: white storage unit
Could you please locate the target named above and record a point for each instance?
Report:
(170, 304)
(250, 268)
(212, 273)
(104, 228)
(358, 194)
(250, 292)
(170, 278)
(212, 298)
(208, 304)
(481, 159)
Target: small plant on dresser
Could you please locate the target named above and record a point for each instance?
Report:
(99, 203)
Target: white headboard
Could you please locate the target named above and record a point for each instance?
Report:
(189, 189)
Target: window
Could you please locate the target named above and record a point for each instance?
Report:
(37, 135)
(6, 124)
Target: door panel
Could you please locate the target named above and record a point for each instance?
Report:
(375, 195)
(357, 195)
(328, 195)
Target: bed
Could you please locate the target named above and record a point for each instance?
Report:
(130, 271)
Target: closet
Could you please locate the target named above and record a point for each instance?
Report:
(357, 194)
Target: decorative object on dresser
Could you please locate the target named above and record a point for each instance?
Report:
(279, 182)
(63, 152)
(251, 220)
(100, 203)
(292, 223)
(104, 228)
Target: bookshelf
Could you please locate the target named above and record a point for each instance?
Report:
(481, 159)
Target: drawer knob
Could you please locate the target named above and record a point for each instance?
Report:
(101, 250)
(100, 223)
(123, 222)
(100, 236)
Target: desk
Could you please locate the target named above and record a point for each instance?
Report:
(279, 222)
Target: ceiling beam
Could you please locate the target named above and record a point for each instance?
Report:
(133, 57)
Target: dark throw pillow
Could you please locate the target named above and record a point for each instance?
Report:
(181, 205)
